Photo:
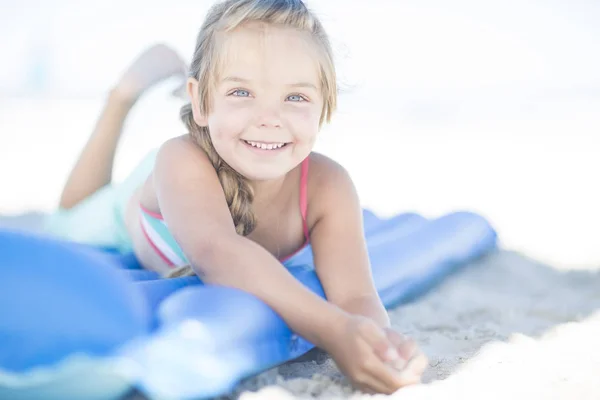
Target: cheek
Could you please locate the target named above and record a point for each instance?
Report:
(305, 121)
(228, 120)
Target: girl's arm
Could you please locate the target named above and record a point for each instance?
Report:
(193, 204)
(337, 239)
(342, 261)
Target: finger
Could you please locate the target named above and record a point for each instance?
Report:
(417, 364)
(372, 385)
(405, 346)
(409, 377)
(402, 347)
(377, 340)
(387, 352)
(388, 377)
(413, 371)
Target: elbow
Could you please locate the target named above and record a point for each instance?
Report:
(211, 258)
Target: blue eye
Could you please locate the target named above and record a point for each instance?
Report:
(241, 93)
(296, 98)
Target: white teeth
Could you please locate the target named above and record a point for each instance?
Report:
(265, 146)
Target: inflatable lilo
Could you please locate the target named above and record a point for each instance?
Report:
(79, 322)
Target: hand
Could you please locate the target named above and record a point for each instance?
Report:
(152, 66)
(376, 360)
(407, 358)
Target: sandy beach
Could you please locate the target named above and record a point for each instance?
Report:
(506, 327)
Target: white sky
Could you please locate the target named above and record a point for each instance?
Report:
(492, 106)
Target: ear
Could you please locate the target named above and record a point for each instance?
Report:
(192, 90)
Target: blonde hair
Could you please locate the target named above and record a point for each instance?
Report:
(225, 17)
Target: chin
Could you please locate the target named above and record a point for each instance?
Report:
(266, 173)
(263, 169)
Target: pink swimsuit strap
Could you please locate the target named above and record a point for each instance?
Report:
(303, 207)
(304, 196)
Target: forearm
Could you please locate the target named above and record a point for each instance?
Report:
(245, 265)
(93, 169)
(367, 306)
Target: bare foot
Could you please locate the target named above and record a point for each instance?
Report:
(150, 67)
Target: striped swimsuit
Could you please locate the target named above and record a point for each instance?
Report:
(157, 233)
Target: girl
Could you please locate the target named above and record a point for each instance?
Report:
(242, 191)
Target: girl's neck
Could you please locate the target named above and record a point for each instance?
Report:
(266, 192)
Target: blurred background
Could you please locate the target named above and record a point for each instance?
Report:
(489, 106)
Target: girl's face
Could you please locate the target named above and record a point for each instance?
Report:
(267, 101)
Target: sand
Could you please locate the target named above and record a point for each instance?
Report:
(506, 327)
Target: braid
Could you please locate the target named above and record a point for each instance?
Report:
(238, 192)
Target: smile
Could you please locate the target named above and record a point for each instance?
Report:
(264, 145)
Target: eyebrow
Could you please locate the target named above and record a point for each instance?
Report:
(242, 80)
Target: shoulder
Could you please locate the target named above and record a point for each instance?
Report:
(330, 187)
(178, 150)
(183, 159)
(179, 162)
(324, 170)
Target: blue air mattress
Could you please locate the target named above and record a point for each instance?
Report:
(80, 322)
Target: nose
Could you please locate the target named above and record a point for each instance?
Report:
(269, 116)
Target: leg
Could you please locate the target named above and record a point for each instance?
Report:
(93, 169)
